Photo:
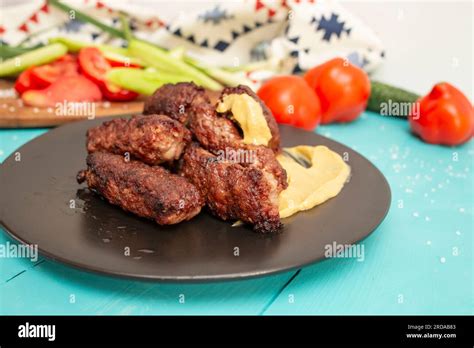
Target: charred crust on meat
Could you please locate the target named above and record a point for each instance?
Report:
(153, 139)
(150, 192)
(174, 116)
(233, 191)
(176, 100)
(81, 176)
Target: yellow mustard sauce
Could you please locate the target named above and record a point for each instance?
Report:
(249, 115)
(307, 187)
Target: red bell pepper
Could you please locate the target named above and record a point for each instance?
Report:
(445, 117)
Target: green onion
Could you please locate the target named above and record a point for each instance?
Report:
(86, 18)
(7, 51)
(127, 33)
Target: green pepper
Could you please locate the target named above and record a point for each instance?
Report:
(111, 52)
(39, 56)
(142, 81)
(160, 59)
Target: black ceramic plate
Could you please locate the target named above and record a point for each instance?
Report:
(42, 204)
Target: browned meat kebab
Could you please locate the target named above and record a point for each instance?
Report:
(219, 134)
(178, 101)
(152, 139)
(213, 136)
(150, 192)
(189, 103)
(247, 190)
(233, 191)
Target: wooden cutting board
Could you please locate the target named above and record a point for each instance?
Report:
(13, 114)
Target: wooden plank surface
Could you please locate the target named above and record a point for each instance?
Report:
(53, 288)
(14, 114)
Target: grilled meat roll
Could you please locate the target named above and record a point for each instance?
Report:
(153, 139)
(149, 192)
(191, 105)
(233, 191)
(178, 101)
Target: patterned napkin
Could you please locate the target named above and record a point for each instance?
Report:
(292, 35)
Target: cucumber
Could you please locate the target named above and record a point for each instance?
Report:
(382, 94)
(39, 56)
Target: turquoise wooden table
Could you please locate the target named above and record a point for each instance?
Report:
(419, 261)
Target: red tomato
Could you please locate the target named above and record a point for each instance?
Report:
(445, 116)
(342, 88)
(93, 64)
(44, 75)
(291, 101)
(121, 64)
(67, 58)
(24, 82)
(69, 88)
(115, 93)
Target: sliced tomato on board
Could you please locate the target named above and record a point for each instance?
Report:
(68, 88)
(24, 82)
(67, 58)
(44, 75)
(94, 66)
(113, 92)
(115, 63)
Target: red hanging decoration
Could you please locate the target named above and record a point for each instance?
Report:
(34, 18)
(45, 8)
(258, 5)
(23, 28)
